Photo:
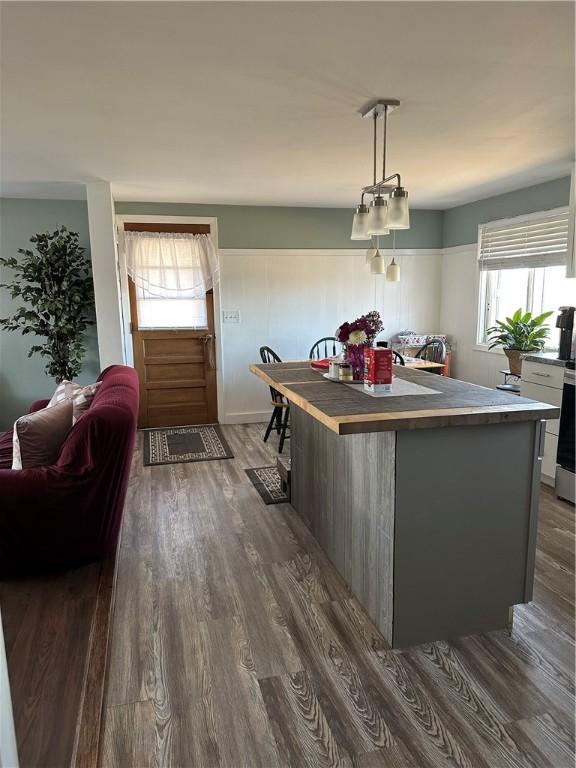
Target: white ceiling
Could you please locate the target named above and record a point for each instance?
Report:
(256, 103)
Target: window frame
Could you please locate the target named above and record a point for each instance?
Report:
(485, 277)
(487, 284)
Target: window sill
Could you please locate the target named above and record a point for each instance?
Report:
(500, 351)
(484, 348)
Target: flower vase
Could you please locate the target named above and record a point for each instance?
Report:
(355, 356)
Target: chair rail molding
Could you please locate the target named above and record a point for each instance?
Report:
(360, 252)
(466, 249)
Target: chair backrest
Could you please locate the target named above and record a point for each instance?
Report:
(267, 355)
(434, 351)
(325, 347)
(397, 358)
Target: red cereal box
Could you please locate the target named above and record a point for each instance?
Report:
(377, 369)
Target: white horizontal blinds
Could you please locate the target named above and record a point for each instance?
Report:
(571, 258)
(525, 242)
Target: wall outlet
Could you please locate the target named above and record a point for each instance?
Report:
(231, 316)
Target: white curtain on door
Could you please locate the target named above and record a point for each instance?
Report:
(171, 265)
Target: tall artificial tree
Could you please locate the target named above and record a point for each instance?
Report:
(54, 284)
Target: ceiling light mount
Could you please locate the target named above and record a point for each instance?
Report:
(377, 107)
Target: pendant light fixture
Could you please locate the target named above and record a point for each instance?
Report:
(360, 223)
(378, 264)
(393, 269)
(378, 217)
(383, 215)
(375, 258)
(370, 253)
(398, 213)
(393, 272)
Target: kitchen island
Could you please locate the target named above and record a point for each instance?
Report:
(425, 500)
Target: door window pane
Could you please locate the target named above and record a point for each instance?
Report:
(171, 313)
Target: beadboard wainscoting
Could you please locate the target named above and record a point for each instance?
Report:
(289, 298)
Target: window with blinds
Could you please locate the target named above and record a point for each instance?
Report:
(523, 265)
(526, 242)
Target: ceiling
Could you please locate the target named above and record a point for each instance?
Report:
(257, 103)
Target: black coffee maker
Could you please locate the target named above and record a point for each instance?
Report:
(565, 321)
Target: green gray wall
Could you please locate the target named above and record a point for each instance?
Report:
(243, 226)
(461, 223)
(22, 379)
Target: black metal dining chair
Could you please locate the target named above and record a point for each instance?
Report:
(434, 351)
(325, 347)
(397, 358)
(279, 420)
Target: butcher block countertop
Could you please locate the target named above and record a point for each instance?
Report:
(347, 410)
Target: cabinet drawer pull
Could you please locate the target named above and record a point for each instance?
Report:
(545, 375)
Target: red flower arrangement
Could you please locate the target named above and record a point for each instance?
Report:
(363, 330)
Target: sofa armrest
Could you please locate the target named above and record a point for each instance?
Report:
(37, 405)
(18, 485)
(26, 513)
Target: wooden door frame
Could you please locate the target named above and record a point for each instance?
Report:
(125, 218)
(156, 333)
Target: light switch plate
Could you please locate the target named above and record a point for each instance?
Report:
(230, 315)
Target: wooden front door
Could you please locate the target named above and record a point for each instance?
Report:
(177, 371)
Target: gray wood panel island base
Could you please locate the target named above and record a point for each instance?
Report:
(427, 505)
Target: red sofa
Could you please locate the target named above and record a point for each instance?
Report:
(70, 513)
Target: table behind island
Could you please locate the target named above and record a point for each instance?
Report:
(426, 504)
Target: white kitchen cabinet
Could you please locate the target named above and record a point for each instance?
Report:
(549, 459)
(546, 374)
(544, 382)
(544, 394)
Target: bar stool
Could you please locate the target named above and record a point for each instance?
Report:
(279, 420)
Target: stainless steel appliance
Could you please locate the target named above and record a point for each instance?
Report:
(565, 321)
(565, 477)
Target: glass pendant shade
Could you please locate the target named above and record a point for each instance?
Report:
(393, 272)
(360, 223)
(398, 213)
(377, 264)
(370, 253)
(378, 217)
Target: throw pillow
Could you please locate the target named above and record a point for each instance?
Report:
(38, 436)
(81, 397)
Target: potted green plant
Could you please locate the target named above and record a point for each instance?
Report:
(519, 334)
(54, 283)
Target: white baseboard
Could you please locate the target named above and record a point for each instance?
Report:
(246, 417)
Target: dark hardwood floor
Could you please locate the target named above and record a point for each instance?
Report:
(56, 631)
(235, 643)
